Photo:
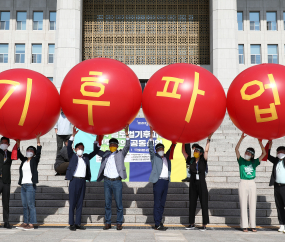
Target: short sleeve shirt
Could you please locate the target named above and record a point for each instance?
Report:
(247, 169)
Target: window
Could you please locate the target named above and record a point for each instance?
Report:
(50, 78)
(38, 21)
(20, 53)
(271, 21)
(21, 20)
(52, 20)
(254, 20)
(4, 20)
(240, 21)
(36, 53)
(50, 53)
(255, 54)
(272, 54)
(3, 53)
(240, 54)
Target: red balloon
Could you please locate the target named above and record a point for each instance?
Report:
(100, 96)
(184, 103)
(29, 104)
(255, 100)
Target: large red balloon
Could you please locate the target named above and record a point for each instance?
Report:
(184, 102)
(255, 100)
(100, 96)
(29, 104)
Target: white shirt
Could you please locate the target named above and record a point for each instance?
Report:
(280, 172)
(27, 174)
(164, 171)
(81, 166)
(110, 170)
(63, 126)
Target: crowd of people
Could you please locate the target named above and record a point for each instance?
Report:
(75, 165)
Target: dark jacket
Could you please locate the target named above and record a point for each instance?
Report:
(275, 161)
(61, 157)
(6, 167)
(189, 158)
(33, 164)
(73, 161)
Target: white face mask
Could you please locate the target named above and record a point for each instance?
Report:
(161, 153)
(247, 157)
(29, 154)
(79, 152)
(3, 147)
(281, 156)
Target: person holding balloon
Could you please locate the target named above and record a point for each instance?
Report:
(198, 185)
(247, 186)
(27, 180)
(113, 171)
(278, 180)
(160, 177)
(78, 171)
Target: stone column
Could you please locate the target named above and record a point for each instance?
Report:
(68, 43)
(224, 40)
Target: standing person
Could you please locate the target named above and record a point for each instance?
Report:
(198, 185)
(247, 186)
(113, 171)
(77, 173)
(278, 180)
(5, 178)
(62, 160)
(186, 151)
(63, 130)
(28, 179)
(159, 176)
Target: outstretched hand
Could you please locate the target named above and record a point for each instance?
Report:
(38, 138)
(74, 131)
(127, 129)
(210, 136)
(243, 135)
(151, 132)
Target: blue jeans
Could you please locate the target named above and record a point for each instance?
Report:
(28, 192)
(115, 187)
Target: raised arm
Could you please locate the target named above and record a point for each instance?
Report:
(238, 145)
(95, 151)
(127, 145)
(262, 149)
(150, 143)
(168, 152)
(39, 148)
(70, 141)
(270, 157)
(20, 155)
(184, 151)
(207, 147)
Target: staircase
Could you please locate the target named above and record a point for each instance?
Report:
(222, 180)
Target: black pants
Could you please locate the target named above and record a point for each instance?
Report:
(5, 190)
(77, 189)
(60, 139)
(198, 189)
(279, 195)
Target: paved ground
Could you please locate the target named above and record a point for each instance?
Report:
(63, 234)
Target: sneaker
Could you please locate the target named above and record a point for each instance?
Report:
(21, 226)
(282, 228)
(29, 227)
(161, 228)
(203, 229)
(190, 227)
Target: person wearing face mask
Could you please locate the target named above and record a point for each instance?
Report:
(247, 186)
(78, 171)
(113, 171)
(186, 151)
(159, 176)
(278, 180)
(198, 186)
(5, 178)
(63, 130)
(28, 179)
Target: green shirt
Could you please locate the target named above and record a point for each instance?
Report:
(247, 168)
